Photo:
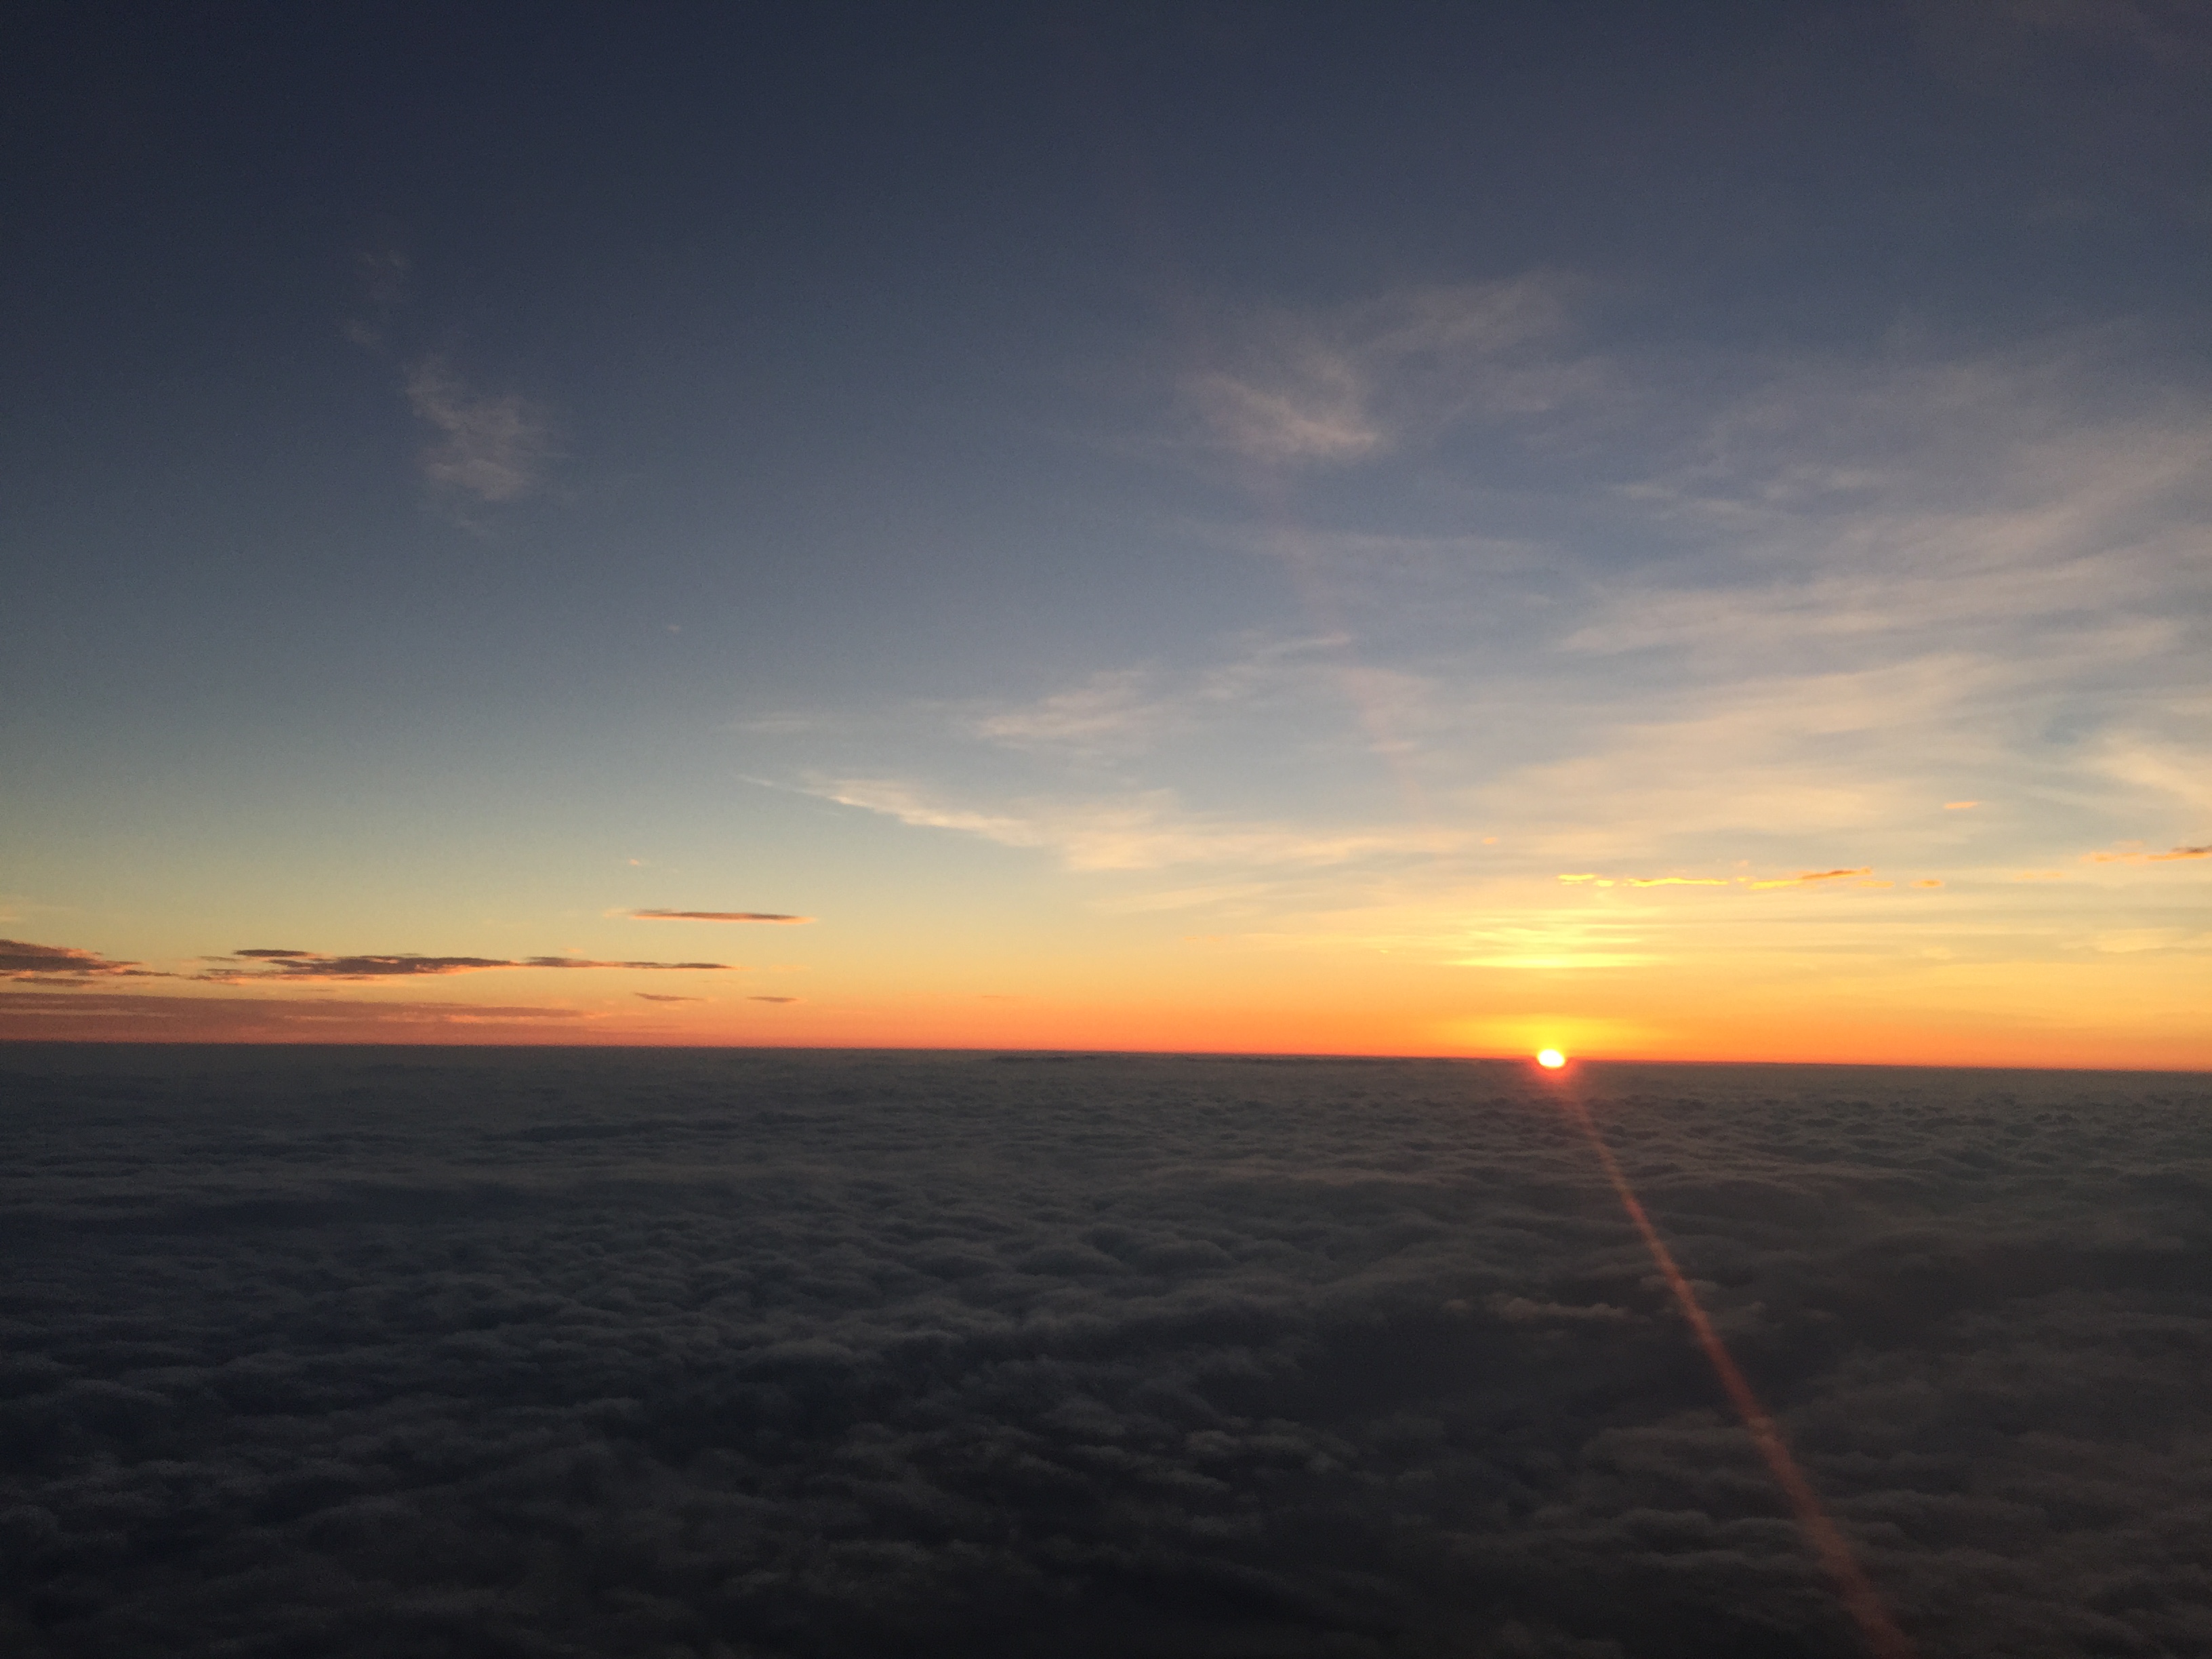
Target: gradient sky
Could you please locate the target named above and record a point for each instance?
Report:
(1671, 531)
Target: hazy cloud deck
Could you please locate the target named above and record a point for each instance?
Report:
(565, 1352)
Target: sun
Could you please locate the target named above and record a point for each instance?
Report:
(1550, 1059)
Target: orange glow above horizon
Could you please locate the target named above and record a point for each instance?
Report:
(2092, 973)
(2118, 1008)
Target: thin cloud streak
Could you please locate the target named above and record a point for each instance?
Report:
(1332, 387)
(1863, 874)
(24, 963)
(1810, 878)
(768, 917)
(1147, 832)
(1115, 711)
(102, 1016)
(383, 274)
(2173, 855)
(298, 966)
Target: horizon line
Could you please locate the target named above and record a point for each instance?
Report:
(1318, 1055)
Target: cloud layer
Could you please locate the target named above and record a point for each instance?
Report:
(812, 1355)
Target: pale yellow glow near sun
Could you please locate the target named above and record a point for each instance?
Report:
(1551, 1059)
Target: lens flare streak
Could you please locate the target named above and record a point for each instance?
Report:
(1883, 1638)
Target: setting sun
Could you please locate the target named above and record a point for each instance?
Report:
(1550, 1059)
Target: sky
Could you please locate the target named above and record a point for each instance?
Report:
(1670, 532)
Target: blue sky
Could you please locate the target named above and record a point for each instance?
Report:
(1251, 499)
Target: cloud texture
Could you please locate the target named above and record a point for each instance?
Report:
(715, 915)
(302, 965)
(714, 1354)
(27, 963)
(495, 448)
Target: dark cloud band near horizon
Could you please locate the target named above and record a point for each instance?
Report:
(2172, 855)
(63, 1013)
(27, 963)
(24, 963)
(305, 965)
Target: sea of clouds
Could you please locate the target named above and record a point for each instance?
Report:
(343, 1352)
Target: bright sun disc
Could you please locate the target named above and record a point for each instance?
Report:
(1551, 1059)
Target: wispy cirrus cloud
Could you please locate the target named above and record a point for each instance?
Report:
(2172, 855)
(1116, 711)
(1857, 511)
(1863, 874)
(493, 448)
(297, 966)
(2169, 771)
(1549, 942)
(490, 448)
(1890, 580)
(1681, 773)
(1149, 831)
(383, 272)
(1306, 680)
(1312, 388)
(1944, 619)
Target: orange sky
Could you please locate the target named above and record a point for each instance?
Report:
(1841, 972)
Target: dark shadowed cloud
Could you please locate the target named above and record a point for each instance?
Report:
(102, 1016)
(62, 964)
(801, 1356)
(299, 965)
